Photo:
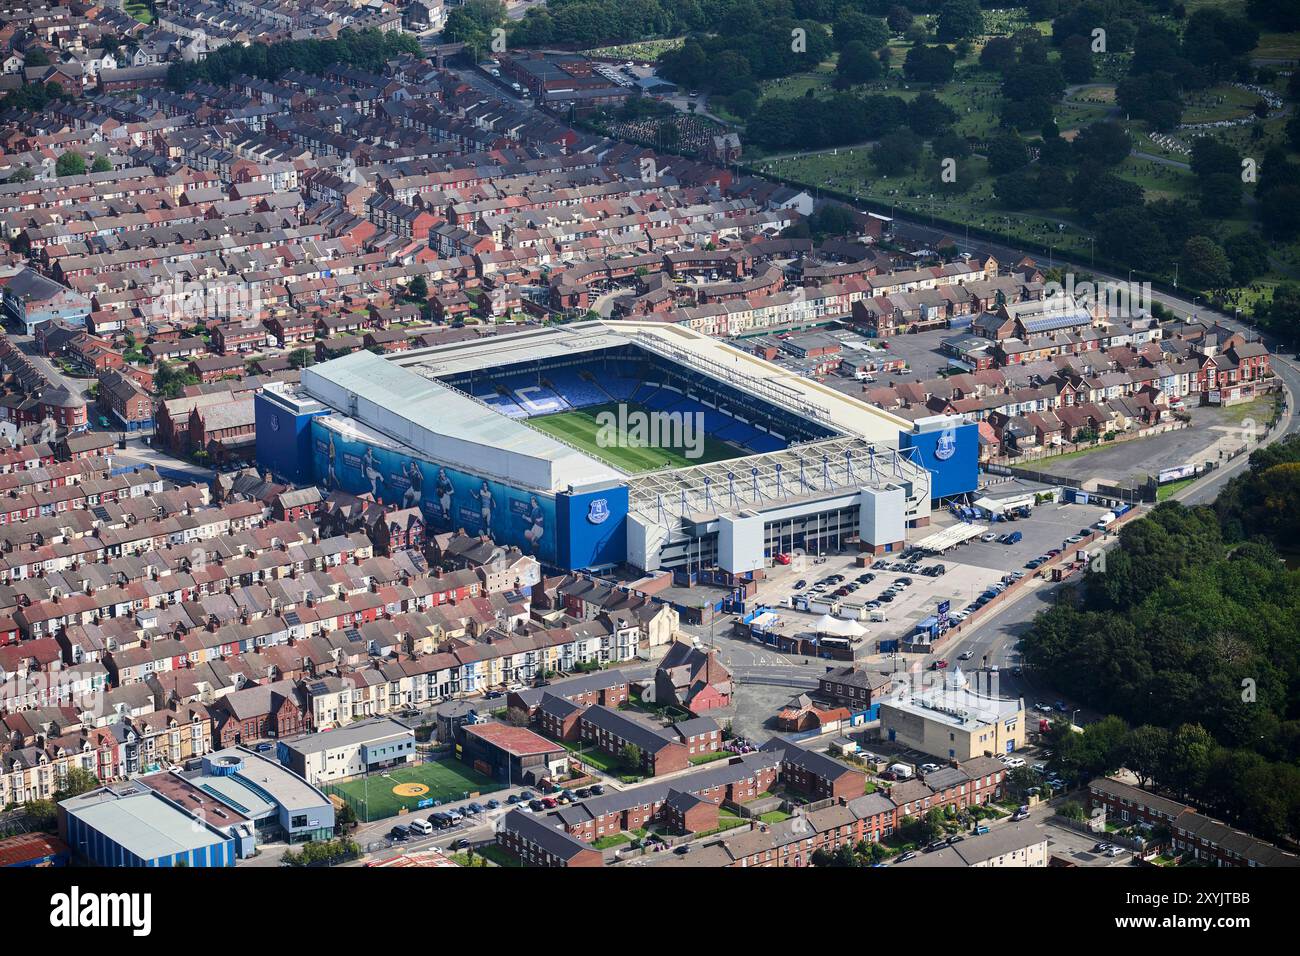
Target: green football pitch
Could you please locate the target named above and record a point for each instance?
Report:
(582, 428)
(386, 794)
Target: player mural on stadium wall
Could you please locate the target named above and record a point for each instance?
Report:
(455, 499)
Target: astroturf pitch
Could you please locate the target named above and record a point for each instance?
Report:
(446, 779)
(580, 427)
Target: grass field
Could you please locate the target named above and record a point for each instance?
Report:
(582, 428)
(446, 780)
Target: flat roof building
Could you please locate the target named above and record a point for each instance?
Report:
(511, 754)
(132, 825)
(358, 748)
(952, 721)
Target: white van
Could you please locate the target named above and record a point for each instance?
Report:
(423, 827)
(1106, 519)
(901, 771)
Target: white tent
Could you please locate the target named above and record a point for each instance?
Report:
(834, 625)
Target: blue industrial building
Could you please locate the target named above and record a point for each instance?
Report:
(132, 825)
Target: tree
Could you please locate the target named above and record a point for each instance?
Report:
(70, 164)
(851, 26)
(1006, 152)
(632, 757)
(1103, 142)
(473, 23)
(960, 19)
(856, 64)
(929, 64)
(23, 174)
(1146, 748)
(102, 164)
(898, 18)
(75, 782)
(897, 153)
(929, 115)
(1077, 63)
(998, 53)
(418, 288)
(1248, 254)
(301, 358)
(1204, 264)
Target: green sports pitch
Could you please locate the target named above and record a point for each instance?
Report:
(404, 788)
(582, 428)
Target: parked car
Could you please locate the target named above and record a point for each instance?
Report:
(800, 584)
(536, 806)
(965, 655)
(988, 537)
(980, 830)
(909, 855)
(597, 789)
(398, 833)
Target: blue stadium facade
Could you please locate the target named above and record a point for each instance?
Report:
(448, 431)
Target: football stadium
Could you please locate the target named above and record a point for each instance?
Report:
(599, 443)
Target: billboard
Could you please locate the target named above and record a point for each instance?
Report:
(450, 499)
(950, 452)
(592, 527)
(1176, 474)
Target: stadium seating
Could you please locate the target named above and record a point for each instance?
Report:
(533, 398)
(620, 389)
(628, 376)
(574, 389)
(762, 442)
(503, 404)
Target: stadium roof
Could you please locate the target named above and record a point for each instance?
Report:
(704, 354)
(447, 425)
